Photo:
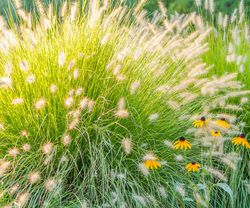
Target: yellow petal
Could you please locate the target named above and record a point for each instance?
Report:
(189, 145)
(158, 165)
(146, 164)
(155, 165)
(177, 146)
(151, 165)
(248, 145)
(182, 145)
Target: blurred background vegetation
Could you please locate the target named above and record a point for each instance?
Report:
(184, 6)
(181, 6)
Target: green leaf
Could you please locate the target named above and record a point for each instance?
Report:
(226, 188)
(187, 199)
(201, 186)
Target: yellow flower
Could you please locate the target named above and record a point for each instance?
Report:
(151, 161)
(241, 140)
(200, 122)
(182, 143)
(193, 167)
(216, 133)
(152, 164)
(222, 123)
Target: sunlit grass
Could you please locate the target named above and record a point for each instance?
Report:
(89, 99)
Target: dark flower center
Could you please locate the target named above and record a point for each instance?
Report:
(216, 132)
(182, 139)
(242, 136)
(203, 118)
(193, 163)
(222, 119)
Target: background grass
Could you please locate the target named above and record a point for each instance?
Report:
(181, 6)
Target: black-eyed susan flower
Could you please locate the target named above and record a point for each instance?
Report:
(152, 164)
(193, 167)
(222, 123)
(151, 161)
(215, 133)
(182, 143)
(200, 122)
(241, 140)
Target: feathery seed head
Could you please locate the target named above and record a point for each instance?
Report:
(47, 148)
(69, 102)
(24, 66)
(34, 177)
(17, 101)
(179, 158)
(149, 156)
(26, 147)
(61, 59)
(180, 189)
(66, 140)
(79, 91)
(91, 104)
(40, 104)
(13, 189)
(5, 82)
(154, 117)
(8, 69)
(50, 184)
(24, 133)
(216, 173)
(53, 88)
(22, 199)
(76, 74)
(134, 86)
(13, 152)
(71, 64)
(169, 144)
(31, 79)
(127, 145)
(198, 3)
(4, 167)
(122, 113)
(1, 126)
(143, 169)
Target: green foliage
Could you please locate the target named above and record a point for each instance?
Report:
(181, 6)
(185, 6)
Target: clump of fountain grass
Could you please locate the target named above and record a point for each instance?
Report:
(101, 106)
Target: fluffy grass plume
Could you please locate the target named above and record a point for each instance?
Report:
(102, 107)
